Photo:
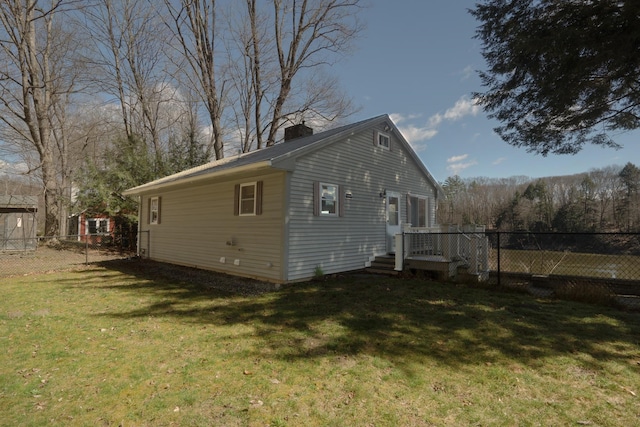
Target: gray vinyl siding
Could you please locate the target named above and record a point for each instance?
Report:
(346, 243)
(197, 228)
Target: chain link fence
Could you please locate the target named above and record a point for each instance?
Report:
(43, 254)
(590, 267)
(600, 268)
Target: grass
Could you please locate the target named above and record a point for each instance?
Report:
(570, 263)
(120, 345)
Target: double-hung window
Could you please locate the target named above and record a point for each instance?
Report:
(328, 199)
(247, 199)
(154, 210)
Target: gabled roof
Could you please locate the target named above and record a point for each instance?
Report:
(275, 156)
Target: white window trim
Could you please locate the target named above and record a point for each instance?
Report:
(152, 219)
(97, 220)
(383, 135)
(336, 200)
(255, 192)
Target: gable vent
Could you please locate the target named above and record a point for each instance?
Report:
(297, 131)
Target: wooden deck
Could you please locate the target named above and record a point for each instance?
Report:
(437, 264)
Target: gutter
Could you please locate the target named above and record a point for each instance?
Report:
(172, 180)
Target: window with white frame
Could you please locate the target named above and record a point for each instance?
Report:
(247, 199)
(154, 210)
(418, 211)
(384, 140)
(98, 225)
(328, 199)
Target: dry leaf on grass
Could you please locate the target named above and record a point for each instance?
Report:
(256, 403)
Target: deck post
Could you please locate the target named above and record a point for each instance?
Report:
(399, 251)
(446, 245)
(473, 256)
(485, 253)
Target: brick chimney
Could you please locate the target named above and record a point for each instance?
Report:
(297, 131)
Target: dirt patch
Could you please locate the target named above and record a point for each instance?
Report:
(47, 258)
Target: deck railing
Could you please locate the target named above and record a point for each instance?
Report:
(463, 244)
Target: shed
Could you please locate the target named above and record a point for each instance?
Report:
(18, 223)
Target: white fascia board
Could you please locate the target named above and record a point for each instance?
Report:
(163, 183)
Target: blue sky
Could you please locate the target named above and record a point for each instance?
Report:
(417, 61)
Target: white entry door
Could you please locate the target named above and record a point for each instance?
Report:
(393, 220)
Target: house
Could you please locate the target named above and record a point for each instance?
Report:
(18, 223)
(316, 203)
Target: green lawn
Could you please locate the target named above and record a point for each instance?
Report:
(625, 267)
(120, 345)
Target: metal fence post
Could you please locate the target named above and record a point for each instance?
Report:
(498, 255)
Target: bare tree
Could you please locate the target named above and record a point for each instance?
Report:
(194, 24)
(34, 84)
(261, 67)
(244, 58)
(307, 33)
(129, 39)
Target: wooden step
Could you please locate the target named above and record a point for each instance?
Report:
(383, 265)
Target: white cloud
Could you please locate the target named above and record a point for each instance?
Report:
(463, 107)
(467, 72)
(456, 168)
(499, 160)
(399, 118)
(18, 168)
(435, 120)
(455, 159)
(457, 164)
(415, 133)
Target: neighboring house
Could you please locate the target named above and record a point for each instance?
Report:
(96, 228)
(328, 202)
(18, 223)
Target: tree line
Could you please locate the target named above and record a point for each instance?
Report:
(100, 95)
(601, 200)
